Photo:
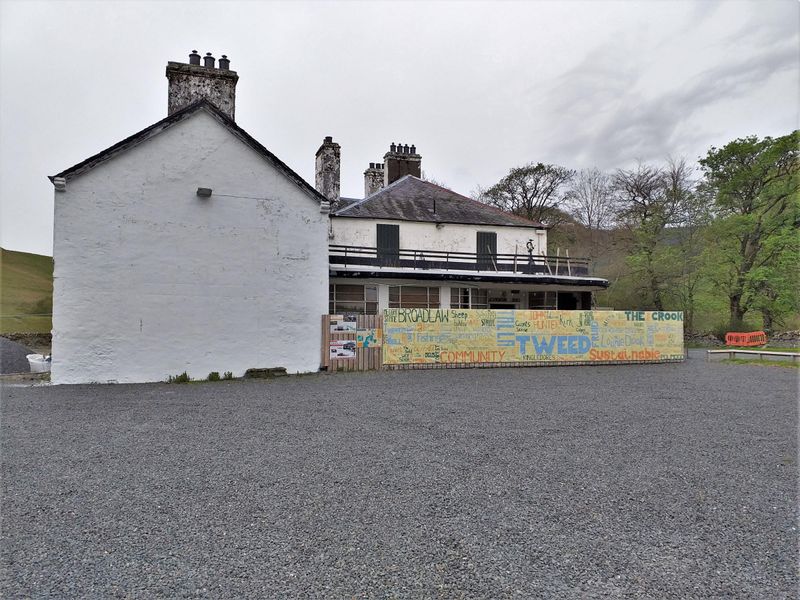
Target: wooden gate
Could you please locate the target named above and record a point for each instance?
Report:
(349, 345)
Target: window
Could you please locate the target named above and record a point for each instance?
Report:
(487, 250)
(388, 237)
(469, 298)
(546, 300)
(352, 299)
(413, 297)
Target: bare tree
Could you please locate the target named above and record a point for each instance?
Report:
(533, 191)
(591, 199)
(642, 197)
(433, 180)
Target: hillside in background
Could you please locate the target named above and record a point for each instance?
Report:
(26, 292)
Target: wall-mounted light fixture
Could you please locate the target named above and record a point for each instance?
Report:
(204, 192)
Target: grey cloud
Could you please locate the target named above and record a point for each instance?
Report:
(649, 128)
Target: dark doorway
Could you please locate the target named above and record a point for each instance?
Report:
(487, 250)
(567, 301)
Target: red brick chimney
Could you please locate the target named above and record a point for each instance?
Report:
(401, 160)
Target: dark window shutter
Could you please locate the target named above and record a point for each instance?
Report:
(487, 250)
(388, 244)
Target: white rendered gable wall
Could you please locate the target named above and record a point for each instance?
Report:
(150, 280)
(426, 236)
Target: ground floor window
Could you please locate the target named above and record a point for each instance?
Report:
(543, 300)
(469, 298)
(352, 299)
(410, 296)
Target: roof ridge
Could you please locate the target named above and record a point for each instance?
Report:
(411, 198)
(88, 163)
(482, 204)
(203, 103)
(373, 195)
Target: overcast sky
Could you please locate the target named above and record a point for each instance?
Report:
(479, 88)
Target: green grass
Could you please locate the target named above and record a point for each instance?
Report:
(786, 364)
(26, 292)
(181, 378)
(760, 348)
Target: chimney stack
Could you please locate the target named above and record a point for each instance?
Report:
(401, 160)
(188, 83)
(328, 170)
(373, 179)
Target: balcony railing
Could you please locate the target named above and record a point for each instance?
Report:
(458, 261)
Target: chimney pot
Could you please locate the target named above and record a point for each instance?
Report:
(189, 83)
(400, 161)
(224, 63)
(413, 149)
(328, 139)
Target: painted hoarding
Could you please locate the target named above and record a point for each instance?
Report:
(446, 336)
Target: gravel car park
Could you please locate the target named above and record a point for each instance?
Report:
(639, 481)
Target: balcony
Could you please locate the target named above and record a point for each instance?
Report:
(435, 264)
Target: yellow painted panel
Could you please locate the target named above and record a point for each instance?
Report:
(496, 336)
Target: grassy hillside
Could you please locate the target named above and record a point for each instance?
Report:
(26, 292)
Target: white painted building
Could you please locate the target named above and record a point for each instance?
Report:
(187, 247)
(414, 244)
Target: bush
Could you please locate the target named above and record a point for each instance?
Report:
(227, 375)
(213, 376)
(182, 378)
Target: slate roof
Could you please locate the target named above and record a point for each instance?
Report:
(176, 117)
(412, 199)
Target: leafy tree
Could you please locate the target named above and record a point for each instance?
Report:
(689, 239)
(775, 284)
(533, 191)
(754, 186)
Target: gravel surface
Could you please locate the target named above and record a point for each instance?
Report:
(13, 357)
(653, 481)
